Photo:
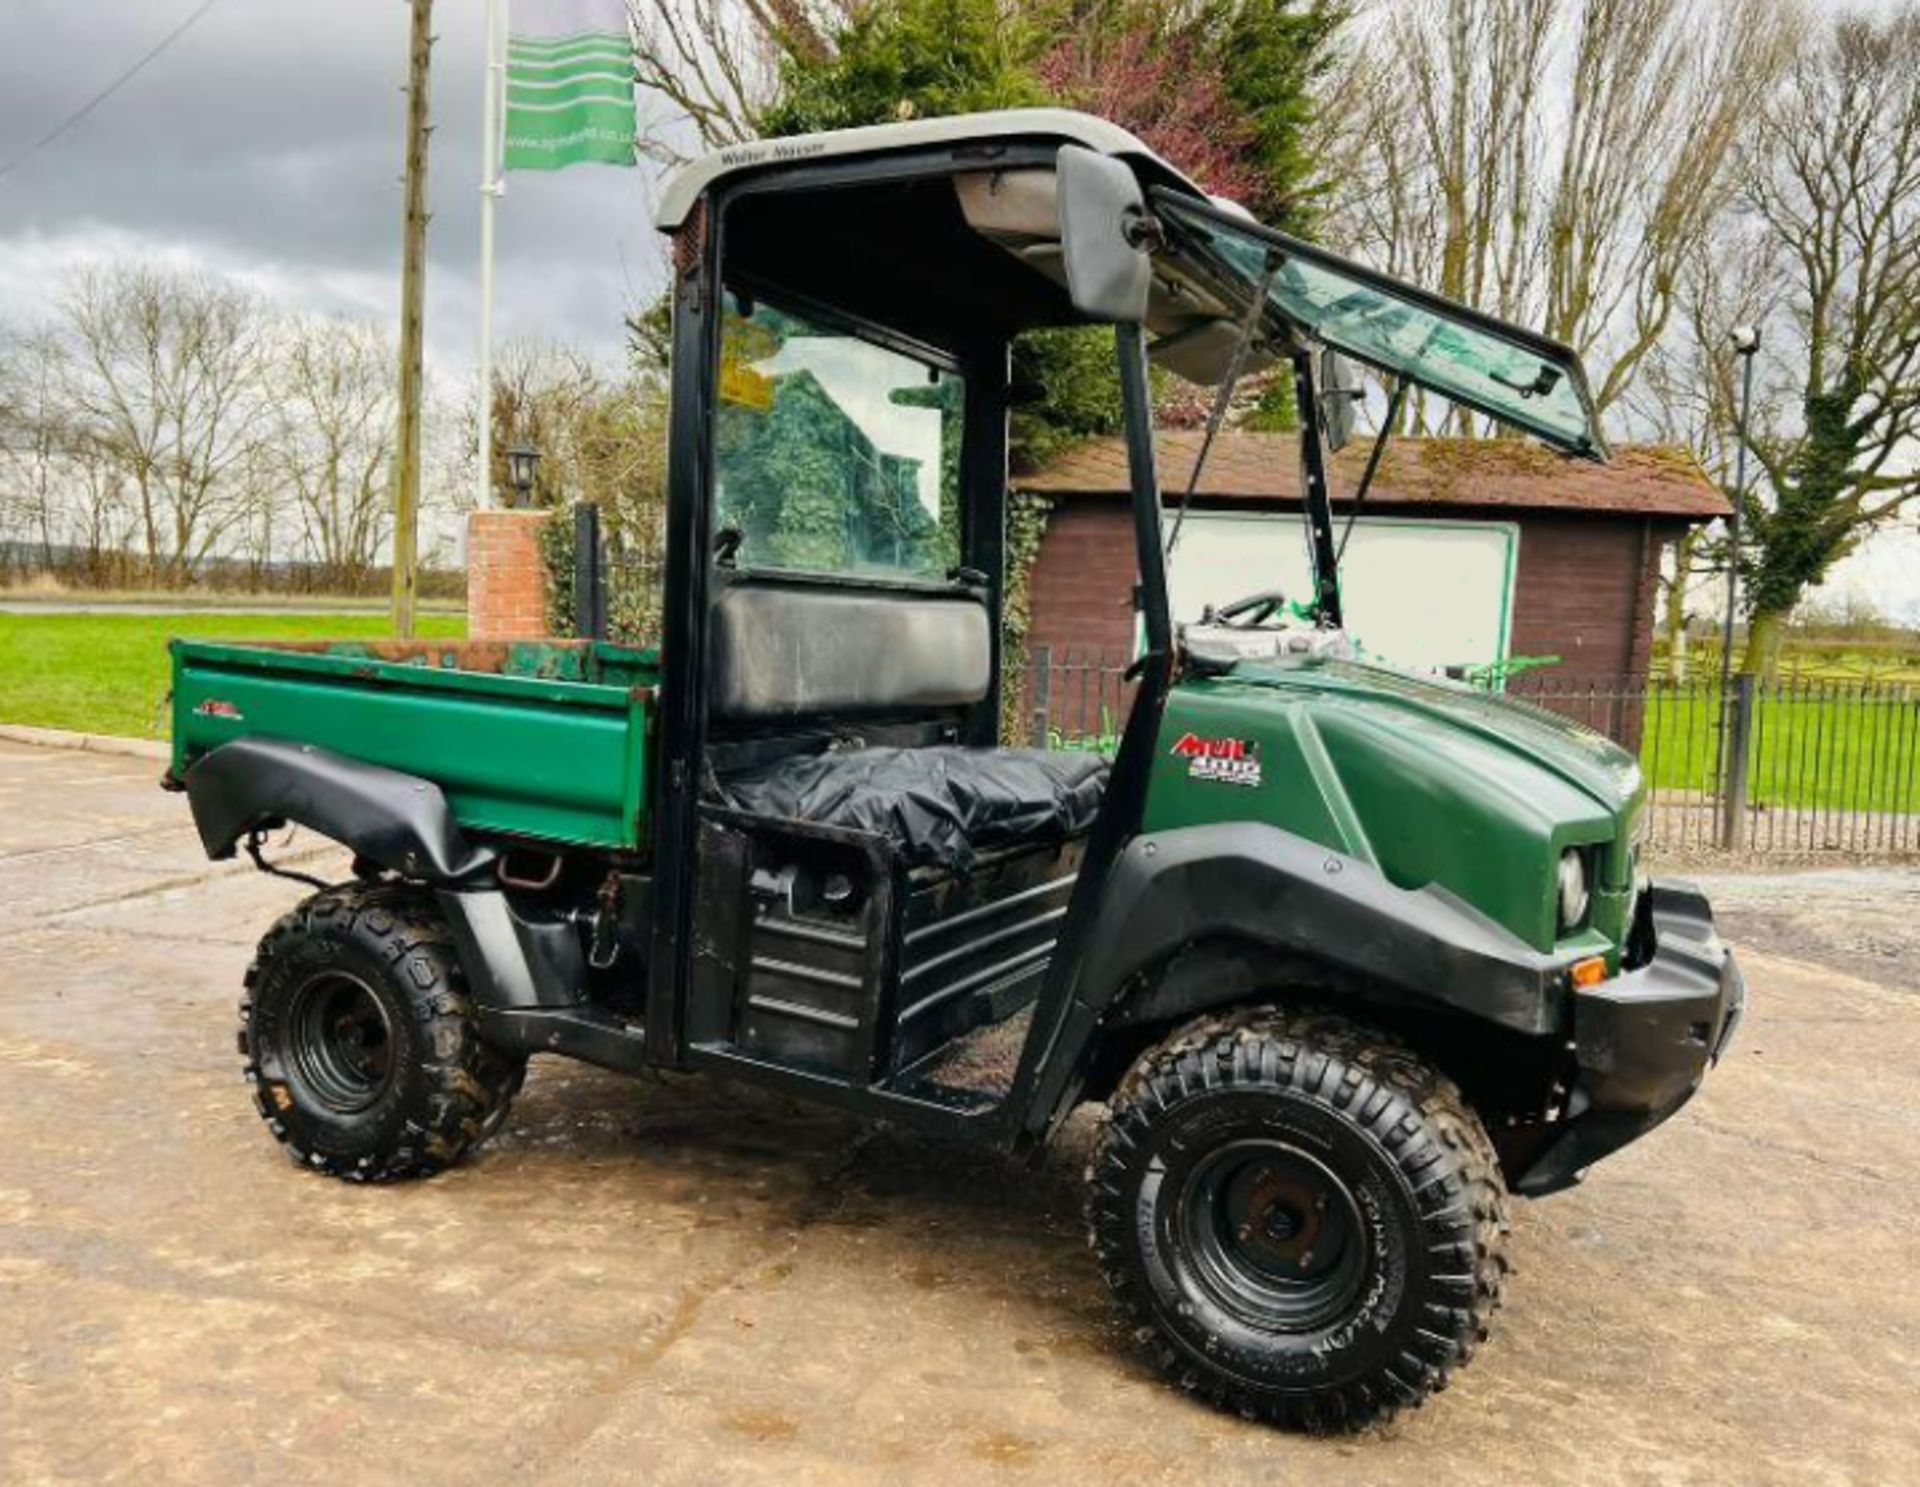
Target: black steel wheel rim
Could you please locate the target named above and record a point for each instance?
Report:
(1275, 1237)
(340, 1043)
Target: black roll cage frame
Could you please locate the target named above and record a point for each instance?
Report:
(1040, 1087)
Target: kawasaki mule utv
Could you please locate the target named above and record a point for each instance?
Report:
(1348, 954)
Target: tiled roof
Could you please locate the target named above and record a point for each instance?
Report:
(1640, 480)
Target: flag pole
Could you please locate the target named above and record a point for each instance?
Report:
(492, 188)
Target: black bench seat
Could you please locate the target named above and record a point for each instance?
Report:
(941, 807)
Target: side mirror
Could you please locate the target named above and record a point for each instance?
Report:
(1102, 240)
(1340, 394)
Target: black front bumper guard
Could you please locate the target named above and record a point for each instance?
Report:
(1645, 1039)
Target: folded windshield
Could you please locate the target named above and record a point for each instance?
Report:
(1507, 373)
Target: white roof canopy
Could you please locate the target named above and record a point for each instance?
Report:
(1066, 126)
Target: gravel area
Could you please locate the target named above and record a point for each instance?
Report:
(1865, 921)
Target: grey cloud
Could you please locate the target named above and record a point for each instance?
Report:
(268, 141)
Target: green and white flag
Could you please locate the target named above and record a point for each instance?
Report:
(569, 85)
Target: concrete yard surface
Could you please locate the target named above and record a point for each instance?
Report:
(673, 1281)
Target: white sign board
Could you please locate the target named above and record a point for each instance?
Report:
(1421, 594)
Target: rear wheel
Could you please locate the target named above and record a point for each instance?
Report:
(360, 1041)
(1303, 1217)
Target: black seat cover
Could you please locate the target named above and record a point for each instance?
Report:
(940, 807)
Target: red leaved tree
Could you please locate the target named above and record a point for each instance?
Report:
(1161, 87)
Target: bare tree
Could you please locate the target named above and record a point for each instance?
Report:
(1552, 161)
(1830, 184)
(601, 438)
(540, 389)
(100, 518)
(715, 62)
(332, 442)
(166, 380)
(1663, 92)
(62, 499)
(257, 533)
(36, 438)
(1687, 397)
(1430, 116)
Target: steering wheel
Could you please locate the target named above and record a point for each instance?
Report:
(1251, 612)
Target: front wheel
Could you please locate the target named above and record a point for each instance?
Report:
(360, 1042)
(1303, 1218)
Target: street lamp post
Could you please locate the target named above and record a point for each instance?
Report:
(1736, 707)
(1746, 344)
(523, 462)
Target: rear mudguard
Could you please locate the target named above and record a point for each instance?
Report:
(1204, 916)
(525, 966)
(397, 821)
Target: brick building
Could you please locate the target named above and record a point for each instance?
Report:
(1590, 536)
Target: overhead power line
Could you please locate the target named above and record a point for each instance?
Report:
(80, 114)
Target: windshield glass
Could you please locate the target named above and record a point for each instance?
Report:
(834, 455)
(1532, 383)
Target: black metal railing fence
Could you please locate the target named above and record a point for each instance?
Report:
(610, 588)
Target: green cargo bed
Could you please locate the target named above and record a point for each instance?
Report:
(546, 740)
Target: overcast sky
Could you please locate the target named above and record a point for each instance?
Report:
(266, 143)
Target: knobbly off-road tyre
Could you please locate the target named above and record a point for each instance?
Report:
(1302, 1219)
(360, 1041)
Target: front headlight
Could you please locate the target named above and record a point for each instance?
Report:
(1574, 896)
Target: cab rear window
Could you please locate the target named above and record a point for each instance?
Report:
(835, 455)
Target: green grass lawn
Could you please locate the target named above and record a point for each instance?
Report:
(1830, 747)
(108, 673)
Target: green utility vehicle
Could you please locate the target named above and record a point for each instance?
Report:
(1349, 955)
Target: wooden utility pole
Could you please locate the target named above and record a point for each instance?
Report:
(413, 274)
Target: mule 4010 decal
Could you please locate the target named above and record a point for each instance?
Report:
(1224, 761)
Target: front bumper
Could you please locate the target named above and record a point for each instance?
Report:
(1644, 1040)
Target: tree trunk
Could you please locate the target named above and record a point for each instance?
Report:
(1766, 628)
(1676, 613)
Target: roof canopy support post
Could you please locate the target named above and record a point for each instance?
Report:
(1313, 485)
(1136, 401)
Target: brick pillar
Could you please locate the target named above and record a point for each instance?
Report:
(506, 584)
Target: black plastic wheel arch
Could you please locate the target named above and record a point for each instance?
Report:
(1283, 896)
(397, 821)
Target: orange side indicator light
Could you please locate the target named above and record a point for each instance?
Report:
(1589, 972)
